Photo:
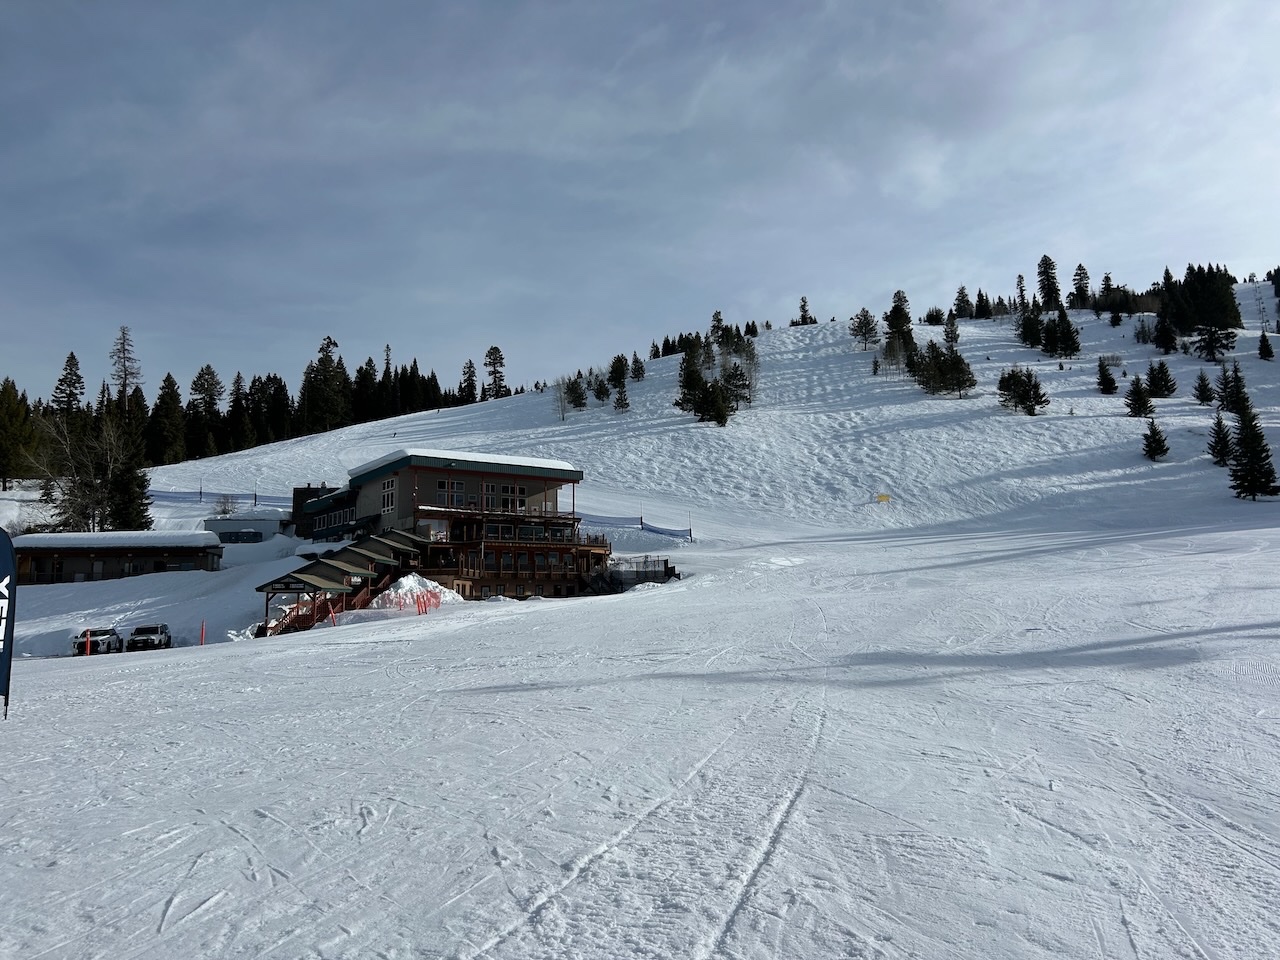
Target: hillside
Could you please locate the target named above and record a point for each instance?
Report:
(1024, 708)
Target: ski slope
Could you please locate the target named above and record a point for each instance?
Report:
(1028, 707)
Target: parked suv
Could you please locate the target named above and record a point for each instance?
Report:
(150, 636)
(95, 640)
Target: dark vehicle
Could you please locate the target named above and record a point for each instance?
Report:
(91, 641)
(150, 636)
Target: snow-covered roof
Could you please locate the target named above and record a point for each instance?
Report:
(453, 457)
(117, 538)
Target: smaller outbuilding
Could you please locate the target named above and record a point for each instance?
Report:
(77, 557)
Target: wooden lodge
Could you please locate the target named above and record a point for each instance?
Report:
(482, 526)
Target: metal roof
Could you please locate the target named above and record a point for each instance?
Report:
(464, 462)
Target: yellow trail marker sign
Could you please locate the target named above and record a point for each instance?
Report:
(882, 498)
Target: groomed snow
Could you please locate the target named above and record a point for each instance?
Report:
(1028, 707)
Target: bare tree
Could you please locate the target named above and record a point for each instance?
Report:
(560, 395)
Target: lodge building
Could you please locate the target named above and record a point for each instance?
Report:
(482, 526)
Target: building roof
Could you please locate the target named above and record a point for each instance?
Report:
(118, 540)
(471, 462)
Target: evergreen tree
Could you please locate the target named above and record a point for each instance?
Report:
(934, 317)
(1154, 445)
(1080, 288)
(737, 385)
(600, 389)
(468, 391)
(1106, 381)
(805, 318)
(165, 437)
(963, 306)
(620, 402)
(1138, 399)
(982, 306)
(1265, 350)
(898, 323)
(576, 392)
(68, 392)
(692, 383)
(959, 376)
(126, 372)
(1252, 472)
(637, 367)
(17, 433)
(1047, 281)
(1230, 390)
(654, 352)
(366, 396)
(618, 370)
(1164, 336)
(1212, 342)
(1160, 382)
(494, 362)
(863, 327)
(1220, 445)
(203, 413)
(240, 432)
(951, 332)
(1203, 390)
(1020, 389)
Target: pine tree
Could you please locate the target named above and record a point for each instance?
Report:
(1252, 472)
(898, 324)
(468, 391)
(126, 372)
(1080, 288)
(1230, 390)
(1047, 280)
(1138, 399)
(637, 367)
(17, 433)
(1020, 389)
(69, 390)
(495, 362)
(1106, 381)
(1203, 390)
(1164, 337)
(1265, 350)
(1154, 445)
(1220, 445)
(863, 327)
(576, 392)
(692, 383)
(620, 402)
(1213, 342)
(951, 331)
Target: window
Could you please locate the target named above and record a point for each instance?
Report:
(520, 590)
(389, 495)
(537, 590)
(490, 496)
(484, 593)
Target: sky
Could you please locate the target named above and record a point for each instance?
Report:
(569, 181)
(1023, 709)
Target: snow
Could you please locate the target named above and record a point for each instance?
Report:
(1027, 707)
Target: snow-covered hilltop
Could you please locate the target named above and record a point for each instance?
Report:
(940, 681)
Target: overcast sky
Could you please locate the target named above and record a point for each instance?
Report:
(572, 180)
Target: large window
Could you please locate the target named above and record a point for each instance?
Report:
(389, 495)
(451, 493)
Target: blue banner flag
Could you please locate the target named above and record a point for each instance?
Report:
(8, 591)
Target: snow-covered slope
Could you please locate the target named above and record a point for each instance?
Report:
(1027, 707)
